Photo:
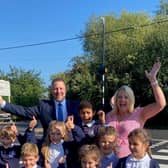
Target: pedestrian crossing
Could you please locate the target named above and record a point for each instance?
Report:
(160, 152)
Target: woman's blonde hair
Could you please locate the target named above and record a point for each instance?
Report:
(131, 97)
(52, 126)
(143, 136)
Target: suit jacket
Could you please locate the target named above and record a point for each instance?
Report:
(44, 111)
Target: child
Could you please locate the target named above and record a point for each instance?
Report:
(107, 137)
(29, 135)
(87, 132)
(9, 152)
(89, 156)
(30, 155)
(55, 147)
(140, 157)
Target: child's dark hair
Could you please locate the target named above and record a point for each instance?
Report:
(85, 104)
(143, 136)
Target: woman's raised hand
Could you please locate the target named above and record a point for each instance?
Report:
(153, 72)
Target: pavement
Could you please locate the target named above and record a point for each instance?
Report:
(161, 134)
(154, 133)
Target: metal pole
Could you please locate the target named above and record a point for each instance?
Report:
(103, 60)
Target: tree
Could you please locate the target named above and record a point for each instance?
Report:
(26, 86)
(80, 80)
(133, 42)
(163, 8)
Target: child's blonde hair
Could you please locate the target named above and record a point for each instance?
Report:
(90, 151)
(52, 126)
(106, 130)
(143, 136)
(29, 149)
(7, 132)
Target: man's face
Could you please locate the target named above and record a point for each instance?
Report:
(58, 90)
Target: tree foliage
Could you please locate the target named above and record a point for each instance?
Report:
(133, 42)
(26, 86)
(163, 8)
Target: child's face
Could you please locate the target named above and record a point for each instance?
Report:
(56, 135)
(6, 141)
(88, 162)
(29, 161)
(86, 115)
(107, 144)
(137, 147)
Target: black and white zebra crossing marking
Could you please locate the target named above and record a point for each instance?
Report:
(160, 152)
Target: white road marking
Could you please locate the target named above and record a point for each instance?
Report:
(163, 150)
(160, 157)
(163, 165)
(159, 143)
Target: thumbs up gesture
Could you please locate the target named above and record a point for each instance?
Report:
(70, 122)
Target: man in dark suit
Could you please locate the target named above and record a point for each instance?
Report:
(46, 110)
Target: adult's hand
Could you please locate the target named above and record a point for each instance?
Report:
(101, 116)
(153, 72)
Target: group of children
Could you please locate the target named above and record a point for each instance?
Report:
(91, 144)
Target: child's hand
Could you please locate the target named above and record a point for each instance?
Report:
(14, 128)
(70, 123)
(101, 116)
(62, 159)
(6, 165)
(32, 123)
(46, 164)
(110, 165)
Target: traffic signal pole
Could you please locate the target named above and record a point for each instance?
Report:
(103, 60)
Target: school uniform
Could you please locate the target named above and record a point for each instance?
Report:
(145, 162)
(86, 134)
(10, 155)
(108, 159)
(35, 166)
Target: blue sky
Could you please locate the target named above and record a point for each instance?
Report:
(25, 22)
